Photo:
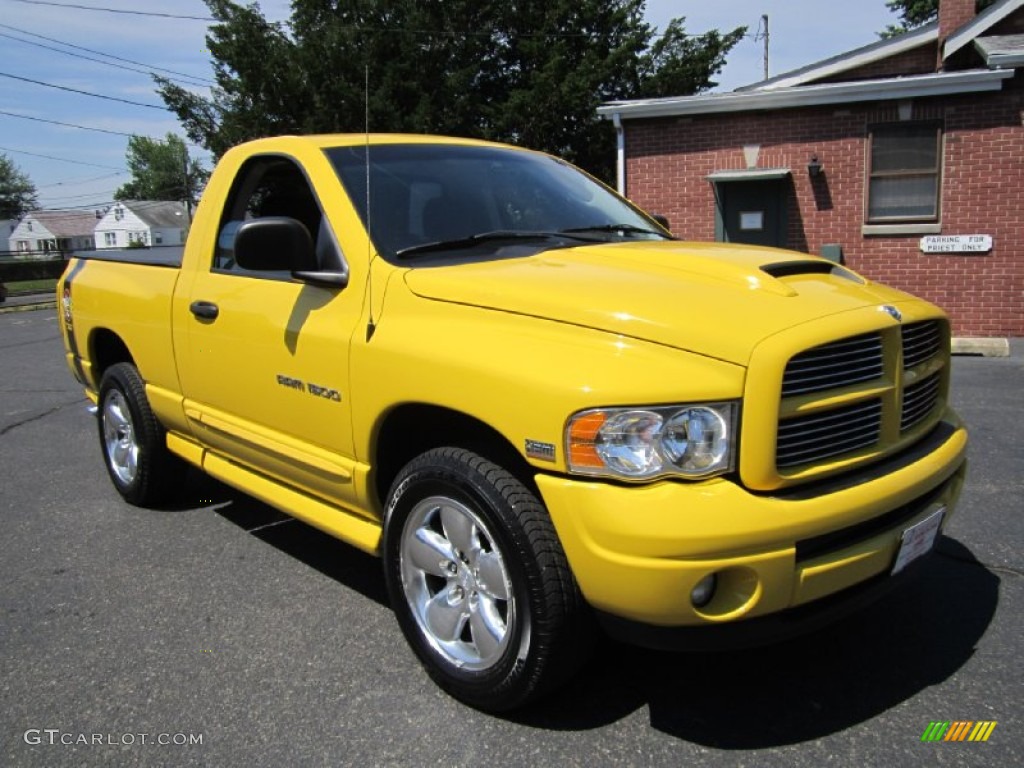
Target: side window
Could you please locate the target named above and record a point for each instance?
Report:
(272, 186)
(904, 171)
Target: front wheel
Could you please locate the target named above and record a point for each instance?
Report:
(479, 581)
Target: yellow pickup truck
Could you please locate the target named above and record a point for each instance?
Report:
(544, 413)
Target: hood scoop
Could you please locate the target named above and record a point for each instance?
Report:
(797, 268)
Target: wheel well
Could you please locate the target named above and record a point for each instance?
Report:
(410, 430)
(106, 349)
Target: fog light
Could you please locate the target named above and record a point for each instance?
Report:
(702, 593)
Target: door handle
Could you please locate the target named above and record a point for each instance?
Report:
(204, 309)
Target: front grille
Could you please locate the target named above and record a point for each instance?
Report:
(834, 365)
(918, 401)
(921, 342)
(818, 436)
(848, 402)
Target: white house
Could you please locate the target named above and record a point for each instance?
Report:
(7, 229)
(42, 232)
(143, 222)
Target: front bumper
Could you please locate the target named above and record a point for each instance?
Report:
(638, 551)
(760, 630)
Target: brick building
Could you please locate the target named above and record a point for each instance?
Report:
(904, 158)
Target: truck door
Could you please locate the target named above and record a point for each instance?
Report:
(264, 365)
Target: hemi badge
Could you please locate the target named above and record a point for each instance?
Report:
(538, 450)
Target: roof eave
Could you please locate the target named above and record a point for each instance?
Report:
(916, 86)
(983, 21)
(854, 59)
(1005, 60)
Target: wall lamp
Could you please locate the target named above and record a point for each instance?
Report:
(814, 167)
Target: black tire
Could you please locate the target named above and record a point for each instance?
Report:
(133, 442)
(513, 624)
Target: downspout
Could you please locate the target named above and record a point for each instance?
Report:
(620, 154)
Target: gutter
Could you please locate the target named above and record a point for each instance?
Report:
(915, 86)
(1006, 60)
(620, 154)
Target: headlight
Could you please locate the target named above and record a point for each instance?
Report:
(693, 441)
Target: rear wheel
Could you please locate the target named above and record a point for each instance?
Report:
(479, 581)
(134, 447)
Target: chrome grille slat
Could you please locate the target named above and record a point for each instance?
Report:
(854, 357)
(921, 342)
(849, 376)
(834, 365)
(830, 352)
(837, 416)
(817, 436)
(789, 431)
(920, 346)
(835, 448)
(918, 401)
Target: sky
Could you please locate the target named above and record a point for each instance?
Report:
(76, 168)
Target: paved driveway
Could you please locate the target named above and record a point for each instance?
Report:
(222, 622)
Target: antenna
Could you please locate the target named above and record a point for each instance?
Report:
(371, 326)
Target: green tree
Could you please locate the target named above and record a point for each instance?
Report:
(915, 13)
(161, 170)
(17, 192)
(530, 72)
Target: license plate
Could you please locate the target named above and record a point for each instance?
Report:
(918, 539)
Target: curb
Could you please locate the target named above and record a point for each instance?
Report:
(49, 304)
(994, 347)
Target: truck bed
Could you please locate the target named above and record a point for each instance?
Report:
(160, 256)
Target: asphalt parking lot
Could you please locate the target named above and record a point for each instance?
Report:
(242, 638)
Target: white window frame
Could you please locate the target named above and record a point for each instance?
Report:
(905, 173)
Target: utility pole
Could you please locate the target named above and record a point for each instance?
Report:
(762, 34)
(188, 190)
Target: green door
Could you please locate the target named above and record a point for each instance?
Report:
(752, 212)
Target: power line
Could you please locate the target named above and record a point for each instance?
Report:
(84, 93)
(70, 182)
(116, 10)
(86, 127)
(150, 69)
(136, 204)
(351, 27)
(101, 53)
(60, 159)
(77, 197)
(67, 125)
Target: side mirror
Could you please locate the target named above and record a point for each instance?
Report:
(275, 243)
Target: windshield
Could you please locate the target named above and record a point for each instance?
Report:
(443, 198)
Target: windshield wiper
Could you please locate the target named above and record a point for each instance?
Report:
(498, 234)
(619, 228)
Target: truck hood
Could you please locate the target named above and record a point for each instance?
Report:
(714, 299)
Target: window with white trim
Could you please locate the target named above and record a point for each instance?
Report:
(904, 172)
